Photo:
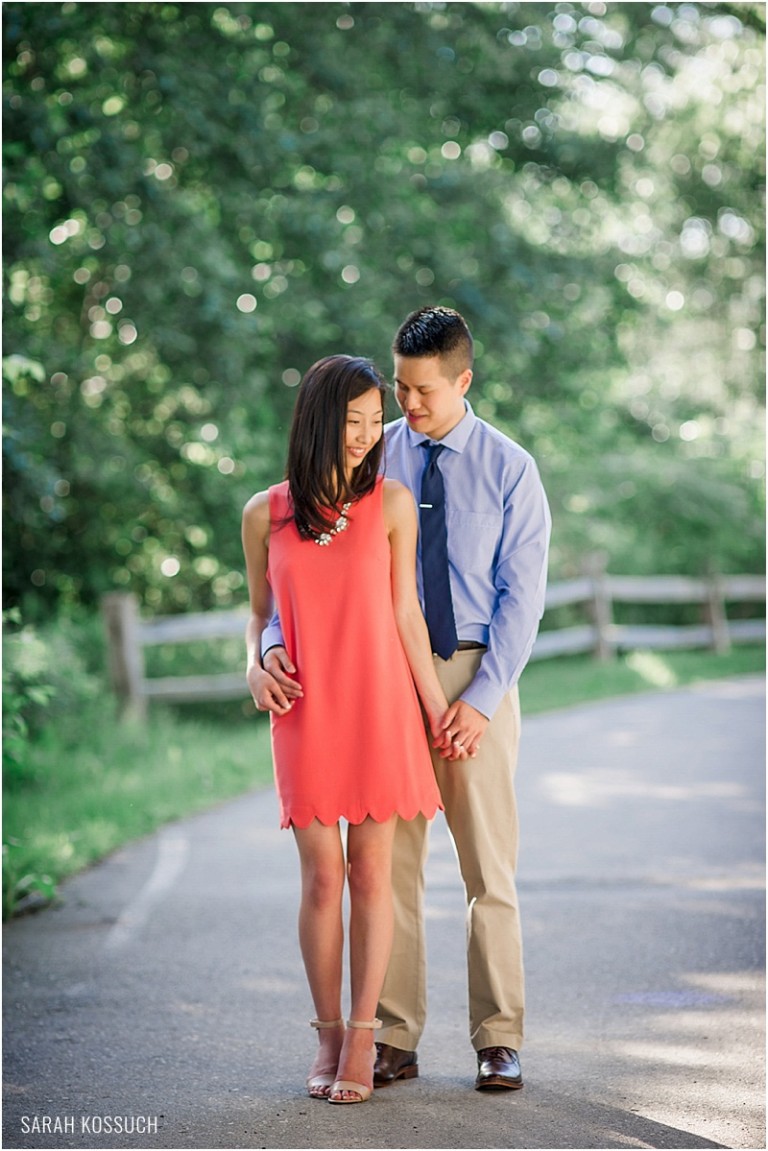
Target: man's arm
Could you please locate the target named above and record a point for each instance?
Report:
(520, 578)
(272, 636)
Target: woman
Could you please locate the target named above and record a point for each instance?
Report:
(333, 548)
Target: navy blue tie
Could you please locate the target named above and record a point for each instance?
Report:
(438, 605)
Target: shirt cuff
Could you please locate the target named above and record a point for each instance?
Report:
(272, 636)
(483, 697)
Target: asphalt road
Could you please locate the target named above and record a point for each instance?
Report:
(163, 1004)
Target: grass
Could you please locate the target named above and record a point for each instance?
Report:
(78, 801)
(83, 794)
(547, 685)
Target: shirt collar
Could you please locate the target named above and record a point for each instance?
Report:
(457, 437)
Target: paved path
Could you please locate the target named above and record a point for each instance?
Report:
(167, 991)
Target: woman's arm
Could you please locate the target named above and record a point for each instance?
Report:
(266, 692)
(402, 527)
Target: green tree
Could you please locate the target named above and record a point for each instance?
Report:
(202, 199)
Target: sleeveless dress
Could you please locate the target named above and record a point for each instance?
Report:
(354, 745)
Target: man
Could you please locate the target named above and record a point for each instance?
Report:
(480, 501)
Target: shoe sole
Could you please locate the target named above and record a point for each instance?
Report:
(409, 1072)
(498, 1084)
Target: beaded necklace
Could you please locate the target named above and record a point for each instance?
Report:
(341, 525)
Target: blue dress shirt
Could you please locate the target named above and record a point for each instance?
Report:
(498, 525)
(498, 540)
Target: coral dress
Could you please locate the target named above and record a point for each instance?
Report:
(354, 745)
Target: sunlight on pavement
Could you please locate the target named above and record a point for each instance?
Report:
(728, 982)
(598, 787)
(679, 1055)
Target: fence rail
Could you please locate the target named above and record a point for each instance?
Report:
(128, 635)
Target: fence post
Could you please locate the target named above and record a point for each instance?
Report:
(601, 606)
(718, 621)
(120, 611)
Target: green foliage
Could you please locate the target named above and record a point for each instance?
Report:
(46, 689)
(24, 667)
(652, 512)
(22, 892)
(45, 682)
(202, 199)
(115, 784)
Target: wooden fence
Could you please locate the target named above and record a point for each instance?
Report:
(128, 635)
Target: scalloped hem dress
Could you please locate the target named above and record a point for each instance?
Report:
(355, 744)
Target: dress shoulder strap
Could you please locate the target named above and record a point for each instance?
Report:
(278, 501)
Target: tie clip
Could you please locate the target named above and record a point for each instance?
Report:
(425, 505)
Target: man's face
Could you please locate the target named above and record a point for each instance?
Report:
(431, 402)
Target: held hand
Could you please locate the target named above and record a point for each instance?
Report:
(274, 692)
(463, 726)
(441, 739)
(278, 665)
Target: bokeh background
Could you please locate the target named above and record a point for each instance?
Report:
(202, 199)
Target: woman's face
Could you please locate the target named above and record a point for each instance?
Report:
(365, 424)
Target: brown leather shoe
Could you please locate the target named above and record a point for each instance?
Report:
(498, 1068)
(392, 1063)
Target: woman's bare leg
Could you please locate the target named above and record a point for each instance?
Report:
(321, 932)
(369, 874)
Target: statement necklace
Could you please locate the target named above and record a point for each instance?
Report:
(341, 525)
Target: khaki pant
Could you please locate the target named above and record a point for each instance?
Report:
(481, 813)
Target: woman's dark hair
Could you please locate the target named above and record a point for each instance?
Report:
(316, 448)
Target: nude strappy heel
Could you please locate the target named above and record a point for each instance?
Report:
(364, 1093)
(319, 1085)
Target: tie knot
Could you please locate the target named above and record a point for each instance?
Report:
(433, 450)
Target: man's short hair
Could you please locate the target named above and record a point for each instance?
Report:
(436, 332)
